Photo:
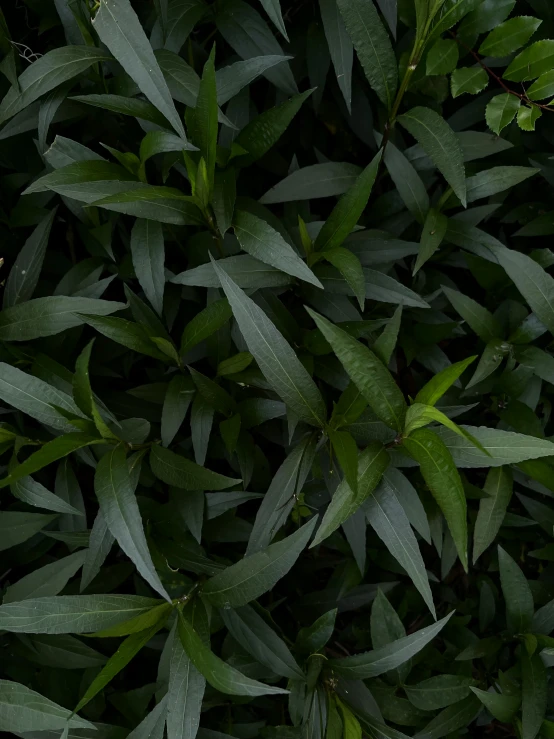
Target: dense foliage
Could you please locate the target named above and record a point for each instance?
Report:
(275, 369)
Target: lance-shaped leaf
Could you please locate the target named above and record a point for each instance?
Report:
(373, 46)
(219, 674)
(25, 710)
(119, 28)
(148, 253)
(383, 659)
(180, 472)
(433, 391)
(202, 119)
(368, 373)
(517, 594)
(112, 484)
(420, 415)
(440, 144)
(254, 575)
(372, 463)
(504, 447)
(534, 693)
(492, 509)
(66, 614)
(443, 479)
(274, 355)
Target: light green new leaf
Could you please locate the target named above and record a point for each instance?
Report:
(66, 614)
(46, 73)
(373, 46)
(420, 415)
(202, 120)
(527, 117)
(118, 27)
(517, 594)
(219, 674)
(440, 144)
(51, 315)
(383, 659)
(254, 575)
(180, 472)
(148, 253)
(263, 242)
(532, 281)
(25, 272)
(25, 710)
(372, 463)
(432, 391)
(274, 355)
(492, 509)
(112, 485)
(442, 477)
(250, 630)
(348, 210)
(501, 111)
(50, 452)
(509, 36)
(368, 373)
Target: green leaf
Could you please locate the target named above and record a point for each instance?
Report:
(340, 47)
(543, 87)
(277, 361)
(389, 657)
(442, 477)
(51, 315)
(64, 614)
(135, 107)
(249, 629)
(127, 333)
(433, 391)
(387, 517)
(492, 509)
(82, 392)
(368, 373)
(219, 674)
(17, 527)
(260, 240)
(527, 117)
(112, 485)
(118, 27)
(420, 415)
(100, 544)
(495, 180)
(502, 707)
(373, 47)
(386, 342)
(441, 145)
(224, 198)
(124, 654)
(439, 692)
(205, 323)
(408, 183)
(432, 235)
(442, 57)
(50, 452)
(479, 319)
(452, 719)
(346, 451)
(501, 111)
(44, 581)
(52, 69)
(517, 594)
(536, 285)
(25, 710)
(176, 403)
(202, 120)
(345, 502)
(534, 694)
(35, 494)
(273, 9)
(24, 274)
(532, 62)
(350, 268)
(348, 210)
(147, 250)
(163, 204)
(234, 77)
(468, 80)
(263, 132)
(504, 447)
(509, 36)
(257, 573)
(173, 469)
(316, 181)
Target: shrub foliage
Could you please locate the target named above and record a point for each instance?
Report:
(275, 376)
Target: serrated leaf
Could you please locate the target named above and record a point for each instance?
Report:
(501, 111)
(509, 36)
(470, 80)
(532, 62)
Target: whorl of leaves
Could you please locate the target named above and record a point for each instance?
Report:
(276, 369)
